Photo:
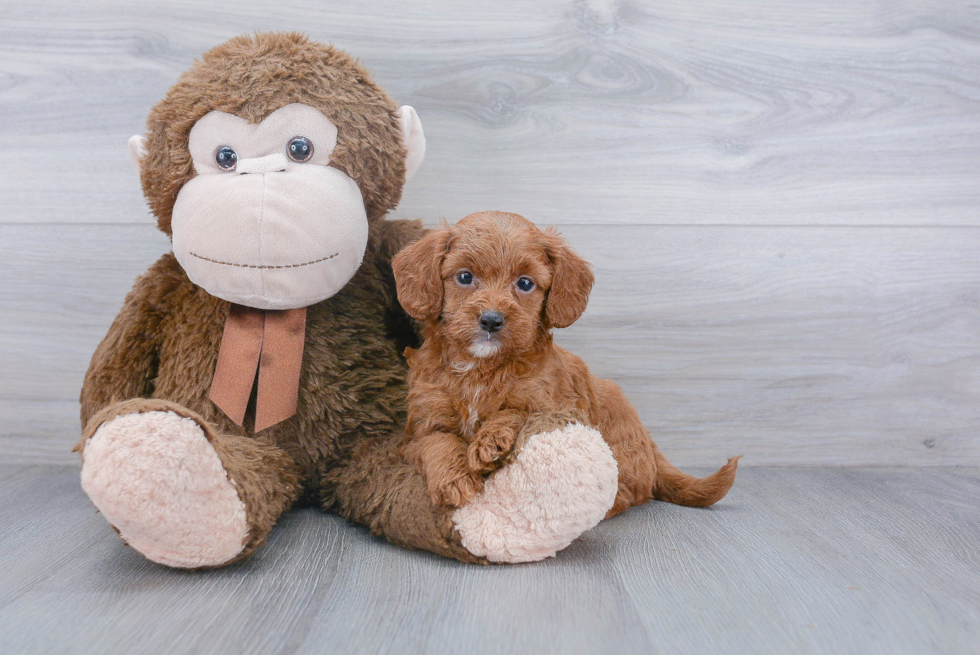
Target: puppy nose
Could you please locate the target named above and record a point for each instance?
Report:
(491, 321)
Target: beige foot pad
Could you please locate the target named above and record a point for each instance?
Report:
(561, 484)
(157, 479)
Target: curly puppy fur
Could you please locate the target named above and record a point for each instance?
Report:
(474, 384)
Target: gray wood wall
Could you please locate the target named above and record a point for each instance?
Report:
(780, 198)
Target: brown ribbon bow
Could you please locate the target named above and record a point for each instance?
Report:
(270, 341)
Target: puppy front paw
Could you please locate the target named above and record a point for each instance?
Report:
(455, 492)
(487, 455)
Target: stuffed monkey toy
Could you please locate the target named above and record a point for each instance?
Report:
(259, 365)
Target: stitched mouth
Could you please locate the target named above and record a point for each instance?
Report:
(215, 261)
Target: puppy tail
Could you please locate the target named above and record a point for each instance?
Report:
(675, 486)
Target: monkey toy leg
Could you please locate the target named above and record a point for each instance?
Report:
(177, 491)
(560, 481)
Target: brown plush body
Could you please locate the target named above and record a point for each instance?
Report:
(339, 450)
(489, 290)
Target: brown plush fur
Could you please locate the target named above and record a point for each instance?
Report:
(466, 409)
(339, 450)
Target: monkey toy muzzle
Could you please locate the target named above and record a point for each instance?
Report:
(267, 223)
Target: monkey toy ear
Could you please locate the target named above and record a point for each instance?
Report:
(571, 282)
(418, 275)
(137, 148)
(413, 138)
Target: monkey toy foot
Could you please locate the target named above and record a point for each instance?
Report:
(560, 484)
(160, 483)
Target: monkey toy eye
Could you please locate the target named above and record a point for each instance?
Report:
(525, 284)
(226, 158)
(464, 278)
(299, 149)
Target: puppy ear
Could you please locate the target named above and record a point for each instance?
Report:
(571, 282)
(418, 275)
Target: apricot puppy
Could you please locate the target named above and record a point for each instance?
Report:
(489, 290)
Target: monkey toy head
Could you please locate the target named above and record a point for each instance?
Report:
(269, 162)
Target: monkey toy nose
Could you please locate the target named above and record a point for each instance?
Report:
(491, 321)
(268, 164)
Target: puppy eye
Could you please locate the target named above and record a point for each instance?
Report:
(464, 278)
(225, 158)
(525, 284)
(299, 149)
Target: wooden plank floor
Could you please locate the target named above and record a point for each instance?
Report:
(795, 560)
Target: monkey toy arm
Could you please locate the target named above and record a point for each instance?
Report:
(124, 365)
